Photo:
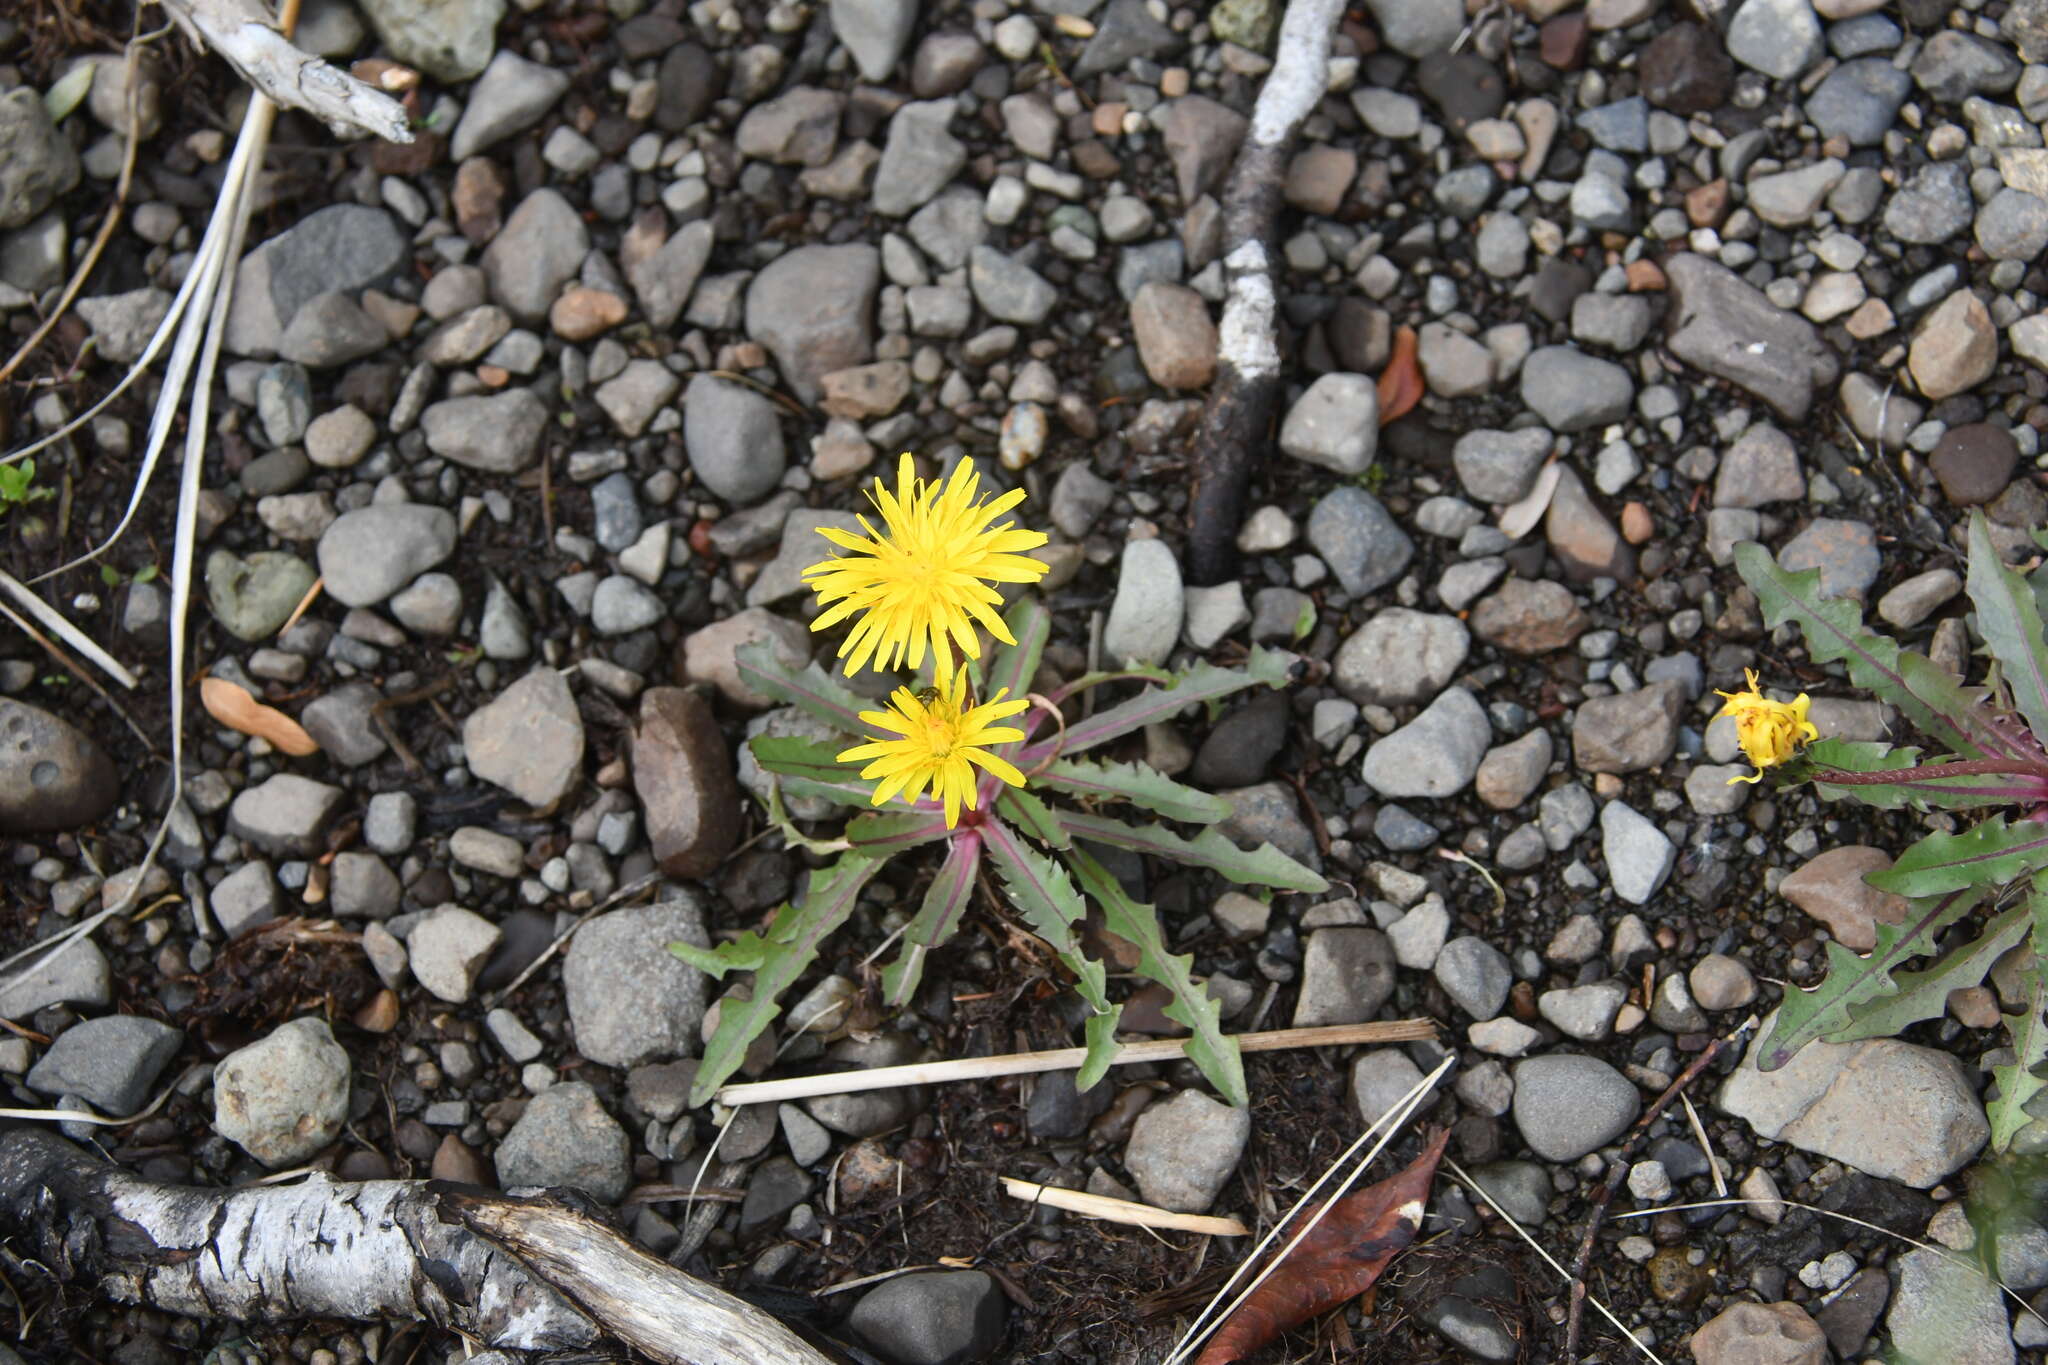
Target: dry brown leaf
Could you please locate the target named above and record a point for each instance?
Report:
(1401, 382)
(231, 705)
(1339, 1259)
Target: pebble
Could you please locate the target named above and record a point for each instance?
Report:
(252, 597)
(1933, 204)
(1212, 615)
(630, 1000)
(1007, 289)
(1947, 1311)
(935, 1317)
(1145, 615)
(1511, 772)
(1720, 982)
(1956, 347)
(111, 1063)
(284, 1097)
(1521, 1188)
(813, 308)
(448, 948)
(495, 434)
(342, 248)
(367, 555)
(1435, 754)
(1381, 1078)
(1628, 732)
(1401, 657)
(1761, 468)
(1177, 341)
(1347, 974)
(1858, 100)
(1567, 1105)
(77, 975)
(1475, 975)
(285, 815)
(1845, 552)
(1974, 462)
(528, 739)
(1354, 534)
(1639, 856)
(1583, 1012)
(55, 778)
(919, 157)
(1572, 391)
(1833, 887)
(1727, 327)
(565, 1138)
(1780, 38)
(1418, 936)
(1183, 1150)
(1335, 424)
(1886, 1107)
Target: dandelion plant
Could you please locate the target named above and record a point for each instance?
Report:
(1991, 753)
(959, 762)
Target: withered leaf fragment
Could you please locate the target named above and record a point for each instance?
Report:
(1400, 386)
(1337, 1261)
(233, 706)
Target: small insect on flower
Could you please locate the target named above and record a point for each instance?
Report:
(922, 581)
(1769, 731)
(940, 735)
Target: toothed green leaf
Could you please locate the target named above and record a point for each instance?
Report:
(777, 960)
(1957, 718)
(1207, 1046)
(1044, 895)
(945, 901)
(1138, 783)
(1033, 816)
(1988, 854)
(1853, 981)
(2017, 1082)
(809, 688)
(1203, 682)
(892, 831)
(809, 768)
(2009, 618)
(1924, 994)
(1948, 793)
(1011, 667)
(1262, 866)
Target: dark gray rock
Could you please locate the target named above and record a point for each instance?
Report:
(110, 1063)
(945, 1317)
(565, 1138)
(1567, 1105)
(1356, 537)
(630, 999)
(345, 247)
(1858, 100)
(1722, 324)
(52, 776)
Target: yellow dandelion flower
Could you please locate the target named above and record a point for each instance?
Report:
(941, 735)
(1769, 731)
(923, 580)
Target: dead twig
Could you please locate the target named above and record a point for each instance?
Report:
(1619, 1172)
(1246, 390)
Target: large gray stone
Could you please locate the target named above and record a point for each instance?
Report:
(37, 163)
(734, 439)
(1182, 1150)
(52, 776)
(813, 308)
(110, 1063)
(341, 248)
(449, 40)
(1433, 755)
(630, 999)
(1887, 1107)
(1722, 324)
(285, 1096)
(370, 553)
(496, 433)
(565, 1138)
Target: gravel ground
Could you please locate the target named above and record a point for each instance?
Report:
(553, 401)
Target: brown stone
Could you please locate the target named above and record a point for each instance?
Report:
(1974, 462)
(1176, 339)
(865, 391)
(582, 313)
(1318, 177)
(683, 773)
(1561, 42)
(1956, 348)
(1707, 205)
(1629, 732)
(455, 1160)
(1831, 888)
(478, 199)
(1528, 618)
(1582, 537)
(1686, 69)
(1761, 1334)
(52, 776)
(1637, 526)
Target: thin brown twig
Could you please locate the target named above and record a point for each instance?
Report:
(1619, 1172)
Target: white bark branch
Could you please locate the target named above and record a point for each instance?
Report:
(515, 1274)
(1246, 389)
(244, 32)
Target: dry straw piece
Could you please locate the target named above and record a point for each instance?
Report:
(1121, 1210)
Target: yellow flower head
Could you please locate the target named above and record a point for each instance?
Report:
(941, 736)
(925, 578)
(1769, 731)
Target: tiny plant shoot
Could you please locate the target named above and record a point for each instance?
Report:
(1990, 753)
(959, 763)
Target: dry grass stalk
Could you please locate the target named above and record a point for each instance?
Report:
(1122, 1210)
(1061, 1059)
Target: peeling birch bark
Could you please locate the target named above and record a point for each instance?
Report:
(514, 1274)
(244, 32)
(1246, 389)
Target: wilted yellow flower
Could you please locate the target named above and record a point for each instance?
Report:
(942, 736)
(924, 579)
(1769, 731)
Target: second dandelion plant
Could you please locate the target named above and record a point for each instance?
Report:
(960, 762)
